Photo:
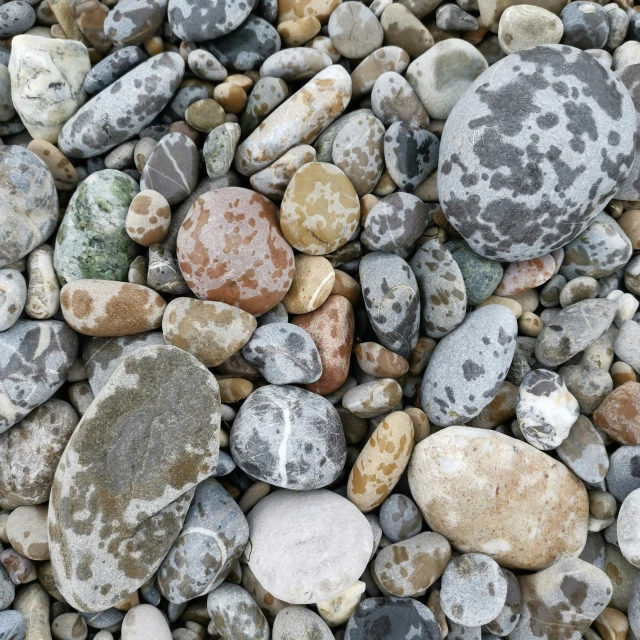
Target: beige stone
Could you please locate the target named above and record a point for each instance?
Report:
(64, 173)
(231, 97)
(346, 286)
(514, 306)
(43, 294)
(491, 10)
(403, 29)
(524, 26)
(295, 33)
(529, 324)
(148, 218)
(501, 409)
(234, 389)
(27, 531)
(292, 9)
(376, 360)
(274, 180)
(337, 610)
(311, 286)
(612, 624)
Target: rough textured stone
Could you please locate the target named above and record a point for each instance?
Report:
(524, 26)
(300, 623)
(145, 622)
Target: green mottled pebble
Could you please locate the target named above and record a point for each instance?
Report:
(92, 242)
(481, 276)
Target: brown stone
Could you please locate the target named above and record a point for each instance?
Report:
(295, 33)
(148, 218)
(346, 286)
(619, 414)
(231, 97)
(421, 426)
(204, 115)
(311, 286)
(501, 409)
(234, 389)
(292, 9)
(621, 372)
(376, 360)
(612, 624)
(64, 173)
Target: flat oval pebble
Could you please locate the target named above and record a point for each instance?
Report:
(384, 60)
(16, 17)
(376, 360)
(511, 476)
(148, 218)
(220, 146)
(525, 275)
(231, 250)
(145, 622)
(393, 100)
(235, 614)
(372, 399)
(297, 63)
(114, 456)
(286, 531)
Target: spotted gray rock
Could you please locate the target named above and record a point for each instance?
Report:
(393, 100)
(195, 20)
(400, 518)
(583, 451)
(122, 110)
(481, 276)
(589, 384)
(630, 78)
(585, 25)
(212, 538)
(622, 477)
(163, 272)
(324, 142)
(289, 437)
(443, 298)
(395, 222)
(134, 21)
(112, 67)
(504, 623)
(300, 623)
(16, 17)
(13, 295)
(235, 614)
(392, 300)
(450, 17)
(220, 147)
(513, 177)
(284, 354)
(122, 489)
(469, 365)
(35, 358)
(354, 31)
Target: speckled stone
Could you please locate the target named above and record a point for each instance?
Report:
(289, 437)
(469, 365)
(474, 196)
(619, 414)
(450, 17)
(104, 457)
(300, 623)
(573, 589)
(134, 21)
(402, 28)
(112, 67)
(197, 21)
(273, 181)
(235, 614)
(16, 17)
(354, 31)
(206, 66)
(626, 346)
(145, 622)
(210, 542)
(324, 142)
(280, 527)
(28, 203)
(13, 295)
(504, 623)
(163, 273)
(628, 75)
(26, 529)
(215, 259)
(148, 218)
(585, 25)
(442, 290)
(284, 354)
(391, 298)
(537, 526)
(92, 242)
(35, 358)
(393, 100)
(108, 119)
(397, 618)
(295, 64)
(481, 276)
(384, 60)
(299, 120)
(525, 275)
(267, 95)
(375, 360)
(400, 518)
(574, 329)
(219, 149)
(621, 480)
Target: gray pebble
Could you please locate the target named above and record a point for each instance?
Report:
(267, 94)
(580, 288)
(618, 21)
(13, 295)
(400, 518)
(206, 66)
(16, 17)
(583, 451)
(450, 17)
(585, 25)
(114, 66)
(184, 98)
(196, 20)
(481, 276)
(354, 31)
(589, 384)
(504, 623)
(219, 149)
(623, 476)
(163, 272)
(225, 463)
(300, 623)
(393, 100)
(627, 344)
(236, 615)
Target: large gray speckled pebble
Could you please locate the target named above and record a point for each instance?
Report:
(16, 17)
(212, 538)
(392, 300)
(195, 20)
(443, 298)
(623, 477)
(12, 625)
(35, 358)
(235, 614)
(300, 623)
(397, 221)
(545, 409)
(574, 329)
(589, 384)
(284, 354)
(513, 179)
(410, 154)
(114, 66)
(134, 21)
(400, 518)
(393, 100)
(469, 365)
(122, 110)
(248, 46)
(585, 25)
(13, 295)
(219, 149)
(473, 590)
(481, 276)
(354, 31)
(630, 77)
(28, 203)
(289, 437)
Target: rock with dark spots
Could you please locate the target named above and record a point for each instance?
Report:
(35, 358)
(284, 354)
(400, 518)
(630, 76)
(197, 21)
(300, 623)
(123, 109)
(235, 614)
(393, 100)
(619, 414)
(134, 21)
(574, 329)
(599, 251)
(15, 18)
(589, 384)
(469, 365)
(623, 476)
(461, 632)
(481, 276)
(324, 142)
(395, 222)
(561, 601)
(289, 437)
(620, 571)
(28, 203)
(504, 623)
(443, 298)
(92, 241)
(583, 451)
(219, 148)
(248, 46)
(114, 66)
(392, 301)
(513, 177)
(30, 452)
(585, 25)
(128, 473)
(212, 538)
(397, 618)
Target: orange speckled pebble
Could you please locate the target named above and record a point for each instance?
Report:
(381, 462)
(524, 275)
(619, 414)
(230, 249)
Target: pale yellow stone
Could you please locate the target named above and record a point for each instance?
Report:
(311, 286)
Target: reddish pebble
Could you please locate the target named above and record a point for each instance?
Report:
(524, 275)
(619, 414)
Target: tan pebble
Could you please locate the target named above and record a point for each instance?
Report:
(338, 609)
(43, 293)
(602, 504)
(324, 45)
(630, 223)
(274, 180)
(234, 389)
(66, 22)
(204, 115)
(105, 308)
(253, 495)
(292, 9)
(433, 602)
(130, 601)
(143, 149)
(241, 80)
(154, 46)
(27, 531)
(367, 202)
(421, 426)
(612, 624)
(529, 300)
(421, 355)
(64, 173)
(529, 324)
(347, 287)
(384, 59)
(381, 462)
(403, 29)
(500, 409)
(295, 33)
(621, 372)
(69, 626)
(148, 218)
(90, 16)
(311, 286)
(385, 185)
(231, 97)
(526, 274)
(224, 438)
(427, 190)
(371, 399)
(376, 360)
(183, 127)
(512, 305)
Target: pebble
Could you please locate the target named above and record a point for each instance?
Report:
(206, 66)
(620, 479)
(403, 29)
(400, 518)
(299, 623)
(196, 21)
(525, 536)
(33, 604)
(133, 22)
(273, 181)
(112, 67)
(206, 115)
(312, 283)
(219, 148)
(411, 154)
(619, 416)
(375, 360)
(372, 399)
(298, 63)
(384, 60)
(235, 614)
(145, 622)
(13, 296)
(525, 275)
(481, 276)
(16, 17)
(504, 623)
(69, 626)
(13, 625)
(354, 31)
(525, 26)
(65, 176)
(26, 530)
(295, 572)
(585, 26)
(267, 95)
(148, 218)
(393, 100)
(628, 538)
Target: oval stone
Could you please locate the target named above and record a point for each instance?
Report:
(123, 486)
(289, 437)
(235, 614)
(230, 249)
(195, 20)
(13, 296)
(619, 414)
(502, 144)
(543, 507)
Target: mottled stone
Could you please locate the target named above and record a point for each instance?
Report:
(393, 100)
(145, 622)
(450, 17)
(273, 181)
(33, 604)
(12, 625)
(112, 67)
(627, 526)
(295, 64)
(383, 61)
(400, 518)
(481, 276)
(622, 477)
(128, 473)
(525, 275)
(16, 17)
(267, 95)
(300, 623)
(619, 414)
(13, 295)
(524, 26)
(585, 25)
(134, 21)
(214, 534)
(26, 529)
(354, 31)
(219, 148)
(235, 614)
(543, 507)
(553, 205)
(375, 360)
(195, 21)
(148, 218)
(405, 30)
(584, 452)
(289, 437)
(206, 66)
(504, 623)
(163, 273)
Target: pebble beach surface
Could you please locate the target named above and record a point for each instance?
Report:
(319, 320)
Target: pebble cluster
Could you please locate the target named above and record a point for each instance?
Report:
(319, 320)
